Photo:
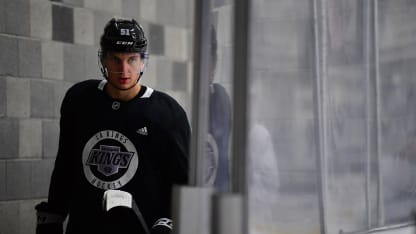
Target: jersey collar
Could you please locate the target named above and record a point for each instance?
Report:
(145, 92)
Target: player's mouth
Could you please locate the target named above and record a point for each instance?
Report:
(123, 80)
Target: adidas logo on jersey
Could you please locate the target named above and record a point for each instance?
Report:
(142, 131)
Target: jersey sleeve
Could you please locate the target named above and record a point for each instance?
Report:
(180, 148)
(60, 185)
(175, 154)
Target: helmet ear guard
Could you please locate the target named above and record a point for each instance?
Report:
(103, 69)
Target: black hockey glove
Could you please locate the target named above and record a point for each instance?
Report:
(119, 204)
(162, 226)
(120, 208)
(48, 221)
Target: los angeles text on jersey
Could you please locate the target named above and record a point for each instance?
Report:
(109, 134)
(110, 160)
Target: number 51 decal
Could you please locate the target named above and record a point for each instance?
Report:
(124, 31)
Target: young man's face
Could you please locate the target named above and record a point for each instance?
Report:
(123, 69)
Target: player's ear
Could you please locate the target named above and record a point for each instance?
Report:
(104, 55)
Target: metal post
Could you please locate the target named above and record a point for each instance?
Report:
(370, 113)
(373, 110)
(191, 206)
(380, 197)
(320, 110)
(240, 84)
(240, 123)
(200, 104)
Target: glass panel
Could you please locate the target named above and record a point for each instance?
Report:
(397, 46)
(369, 115)
(283, 191)
(347, 143)
(217, 163)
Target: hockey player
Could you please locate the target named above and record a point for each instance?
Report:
(116, 134)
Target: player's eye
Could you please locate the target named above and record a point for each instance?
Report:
(133, 60)
(114, 59)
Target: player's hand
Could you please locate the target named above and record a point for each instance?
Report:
(48, 222)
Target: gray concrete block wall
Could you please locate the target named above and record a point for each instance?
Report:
(164, 75)
(20, 210)
(30, 62)
(42, 96)
(30, 138)
(17, 25)
(83, 26)
(148, 10)
(50, 138)
(41, 19)
(74, 62)
(76, 3)
(9, 55)
(52, 60)
(3, 100)
(149, 77)
(8, 212)
(100, 19)
(2, 180)
(156, 39)
(9, 137)
(131, 8)
(18, 179)
(176, 43)
(180, 76)
(62, 23)
(166, 12)
(18, 97)
(41, 171)
(45, 50)
(111, 6)
(92, 68)
(2, 16)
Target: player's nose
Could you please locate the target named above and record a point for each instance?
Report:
(125, 68)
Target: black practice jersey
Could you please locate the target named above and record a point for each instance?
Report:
(140, 146)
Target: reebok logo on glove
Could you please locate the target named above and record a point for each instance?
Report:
(163, 222)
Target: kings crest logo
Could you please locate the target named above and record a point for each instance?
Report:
(109, 159)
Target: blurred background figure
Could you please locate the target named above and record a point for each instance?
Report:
(219, 127)
(263, 171)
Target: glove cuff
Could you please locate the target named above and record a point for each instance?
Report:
(46, 216)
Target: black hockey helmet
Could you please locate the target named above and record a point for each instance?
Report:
(123, 35)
